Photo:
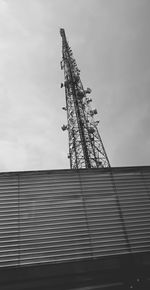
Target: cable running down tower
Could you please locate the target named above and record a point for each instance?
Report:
(86, 149)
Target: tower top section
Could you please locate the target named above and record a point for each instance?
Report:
(62, 32)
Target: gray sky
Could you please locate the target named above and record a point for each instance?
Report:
(110, 40)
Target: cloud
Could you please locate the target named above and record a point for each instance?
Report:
(13, 156)
(111, 43)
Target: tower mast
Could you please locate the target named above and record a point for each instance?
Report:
(86, 149)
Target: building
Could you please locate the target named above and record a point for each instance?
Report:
(75, 229)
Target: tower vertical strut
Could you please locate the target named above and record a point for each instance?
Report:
(86, 149)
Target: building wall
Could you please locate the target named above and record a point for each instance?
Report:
(73, 215)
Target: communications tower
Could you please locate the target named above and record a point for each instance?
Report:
(86, 149)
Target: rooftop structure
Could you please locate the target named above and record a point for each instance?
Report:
(70, 229)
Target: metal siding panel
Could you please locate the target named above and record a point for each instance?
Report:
(52, 207)
(9, 254)
(63, 215)
(135, 204)
(101, 202)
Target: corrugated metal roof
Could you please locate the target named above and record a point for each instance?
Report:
(67, 215)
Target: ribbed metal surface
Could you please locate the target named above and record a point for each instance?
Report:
(65, 215)
(53, 224)
(8, 219)
(134, 197)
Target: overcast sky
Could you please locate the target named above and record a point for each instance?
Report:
(110, 40)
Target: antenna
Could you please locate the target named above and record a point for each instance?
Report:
(86, 149)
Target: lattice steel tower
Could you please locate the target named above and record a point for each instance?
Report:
(86, 149)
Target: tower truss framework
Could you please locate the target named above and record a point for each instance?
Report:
(86, 149)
